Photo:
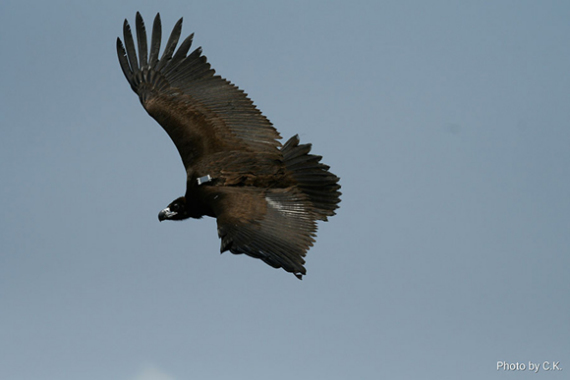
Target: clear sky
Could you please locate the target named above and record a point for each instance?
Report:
(447, 121)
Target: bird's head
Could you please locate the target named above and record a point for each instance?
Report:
(175, 211)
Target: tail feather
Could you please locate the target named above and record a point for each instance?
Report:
(313, 177)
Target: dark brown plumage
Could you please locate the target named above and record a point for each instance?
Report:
(266, 197)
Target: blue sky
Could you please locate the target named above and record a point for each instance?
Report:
(447, 122)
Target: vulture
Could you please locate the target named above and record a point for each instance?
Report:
(266, 197)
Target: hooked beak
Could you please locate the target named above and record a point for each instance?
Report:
(166, 214)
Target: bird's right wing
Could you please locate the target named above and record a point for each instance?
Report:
(202, 112)
(275, 225)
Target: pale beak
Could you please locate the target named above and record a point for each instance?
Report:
(166, 214)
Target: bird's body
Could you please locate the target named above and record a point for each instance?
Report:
(266, 197)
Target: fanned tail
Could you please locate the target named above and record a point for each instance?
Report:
(313, 177)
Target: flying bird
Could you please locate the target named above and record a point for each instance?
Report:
(266, 197)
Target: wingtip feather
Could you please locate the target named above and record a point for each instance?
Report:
(141, 39)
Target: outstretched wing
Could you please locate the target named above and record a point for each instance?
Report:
(275, 225)
(201, 112)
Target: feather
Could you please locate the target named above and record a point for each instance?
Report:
(141, 38)
(155, 41)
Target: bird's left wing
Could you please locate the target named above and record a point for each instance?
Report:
(202, 112)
